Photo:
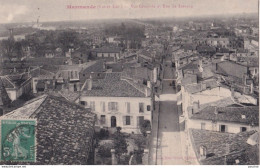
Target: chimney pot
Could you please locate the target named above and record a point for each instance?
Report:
(216, 110)
(90, 83)
(243, 116)
(195, 107)
(149, 84)
(146, 91)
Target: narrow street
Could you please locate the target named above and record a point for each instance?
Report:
(168, 149)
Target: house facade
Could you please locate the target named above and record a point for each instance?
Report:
(125, 112)
(17, 85)
(117, 102)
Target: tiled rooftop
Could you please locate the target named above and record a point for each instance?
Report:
(64, 129)
(195, 88)
(190, 66)
(113, 86)
(107, 50)
(219, 144)
(95, 66)
(230, 114)
(7, 83)
(220, 103)
(41, 73)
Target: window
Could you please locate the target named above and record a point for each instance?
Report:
(127, 120)
(92, 105)
(102, 119)
(75, 87)
(148, 108)
(203, 125)
(140, 120)
(83, 103)
(127, 104)
(243, 129)
(103, 106)
(223, 128)
(112, 106)
(141, 107)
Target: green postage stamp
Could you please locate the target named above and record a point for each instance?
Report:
(18, 140)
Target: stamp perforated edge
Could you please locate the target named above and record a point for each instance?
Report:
(35, 139)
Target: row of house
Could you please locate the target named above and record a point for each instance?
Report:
(217, 99)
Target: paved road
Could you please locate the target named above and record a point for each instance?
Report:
(169, 147)
(169, 150)
(168, 97)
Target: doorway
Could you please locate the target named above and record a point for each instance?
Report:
(113, 121)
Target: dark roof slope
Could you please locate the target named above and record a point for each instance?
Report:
(230, 114)
(64, 129)
(220, 144)
(113, 86)
(96, 67)
(231, 69)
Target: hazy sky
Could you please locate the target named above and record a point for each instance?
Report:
(56, 10)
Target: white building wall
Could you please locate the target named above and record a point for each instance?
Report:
(122, 110)
(231, 127)
(211, 95)
(12, 94)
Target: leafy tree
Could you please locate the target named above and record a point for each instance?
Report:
(104, 150)
(67, 39)
(120, 144)
(145, 126)
(103, 134)
(140, 142)
(7, 48)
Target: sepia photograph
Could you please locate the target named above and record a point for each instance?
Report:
(129, 82)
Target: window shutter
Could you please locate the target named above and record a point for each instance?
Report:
(109, 106)
(116, 104)
(137, 120)
(104, 107)
(124, 120)
(128, 107)
(131, 120)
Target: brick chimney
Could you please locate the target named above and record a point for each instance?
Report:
(195, 107)
(216, 110)
(251, 88)
(203, 152)
(146, 92)
(149, 84)
(90, 83)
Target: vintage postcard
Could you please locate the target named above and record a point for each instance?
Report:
(129, 82)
